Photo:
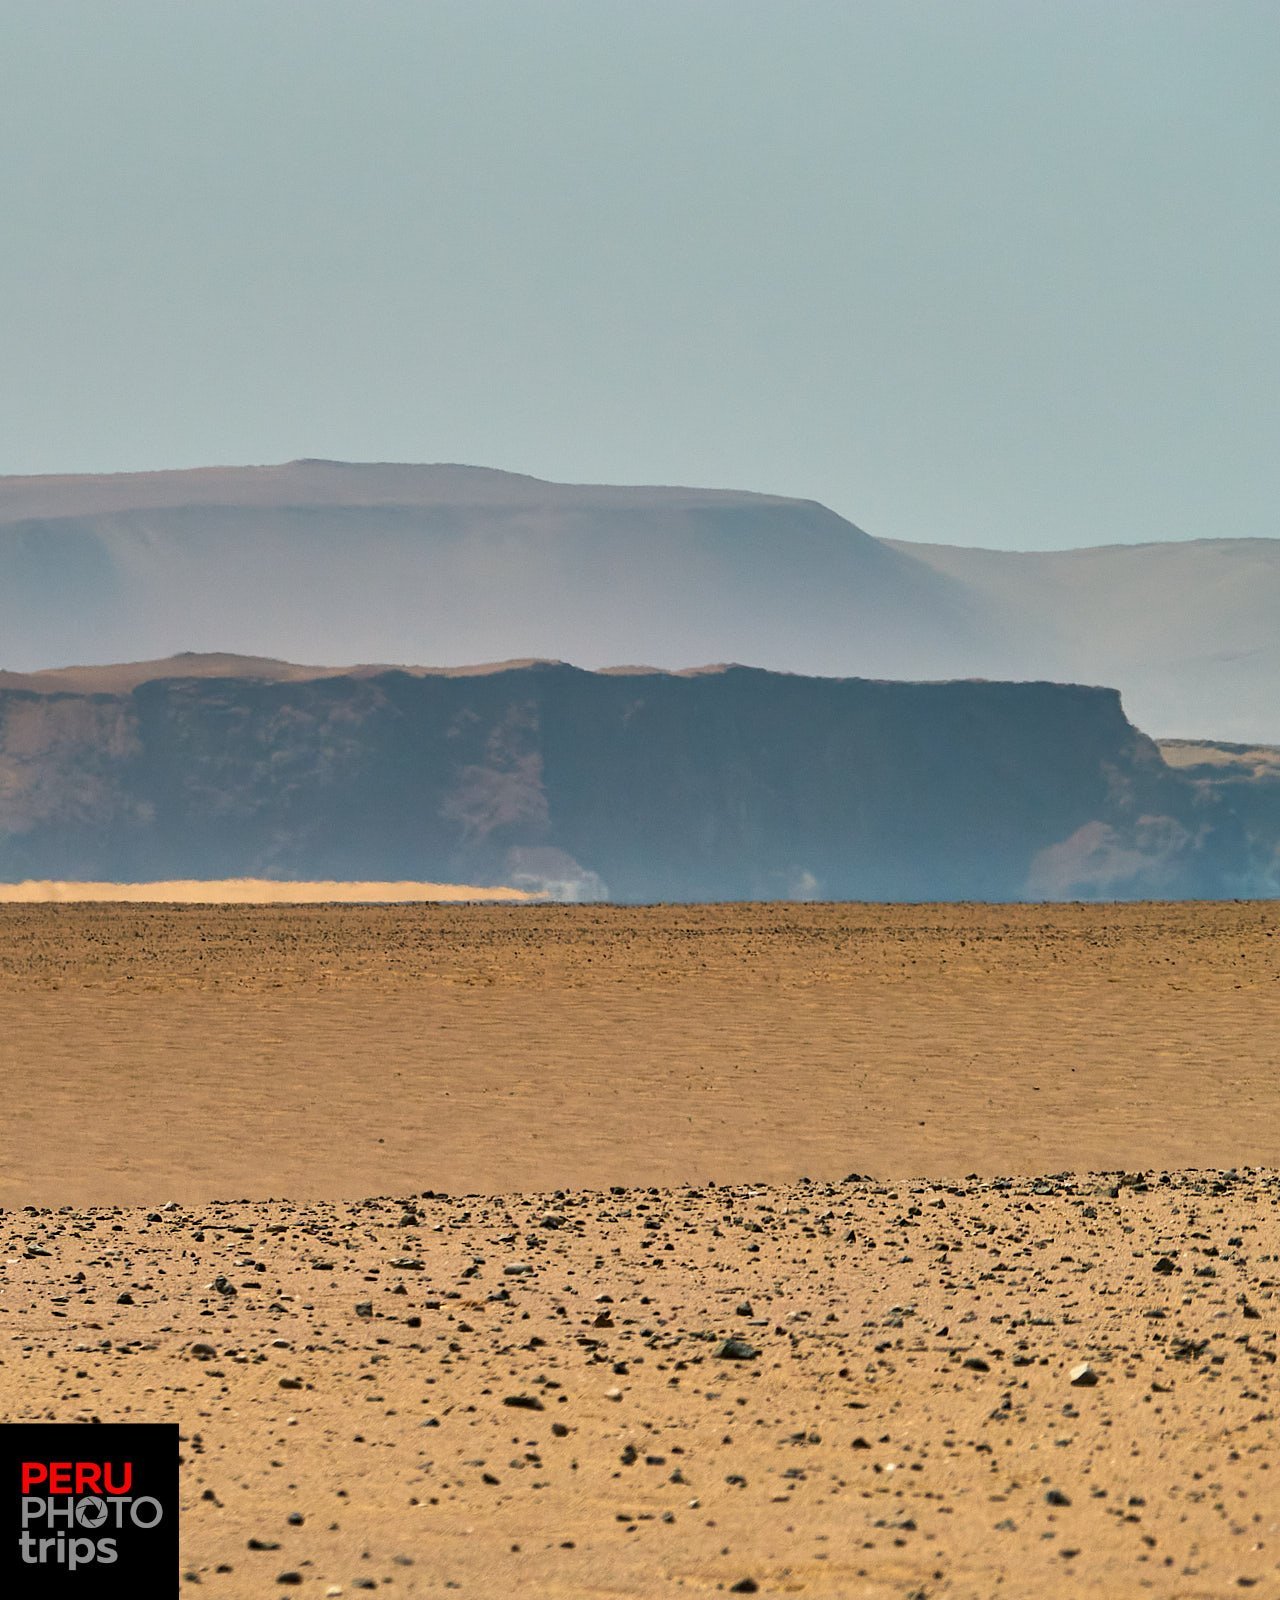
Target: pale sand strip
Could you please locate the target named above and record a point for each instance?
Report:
(248, 892)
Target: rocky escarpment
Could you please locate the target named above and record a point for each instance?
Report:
(1244, 779)
(724, 784)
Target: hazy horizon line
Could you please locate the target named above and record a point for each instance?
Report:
(676, 487)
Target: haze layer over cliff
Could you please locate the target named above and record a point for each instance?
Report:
(329, 561)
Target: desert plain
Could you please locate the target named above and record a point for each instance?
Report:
(589, 1251)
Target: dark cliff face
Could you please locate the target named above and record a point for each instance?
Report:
(730, 784)
(1244, 780)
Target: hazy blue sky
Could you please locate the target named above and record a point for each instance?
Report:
(995, 273)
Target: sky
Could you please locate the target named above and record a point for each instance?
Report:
(976, 273)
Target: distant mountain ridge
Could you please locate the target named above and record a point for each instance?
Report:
(729, 783)
(316, 560)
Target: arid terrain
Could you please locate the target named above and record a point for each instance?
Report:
(984, 1199)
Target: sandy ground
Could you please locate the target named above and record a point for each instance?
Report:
(181, 1053)
(606, 1141)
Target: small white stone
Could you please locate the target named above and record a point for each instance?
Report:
(1083, 1376)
